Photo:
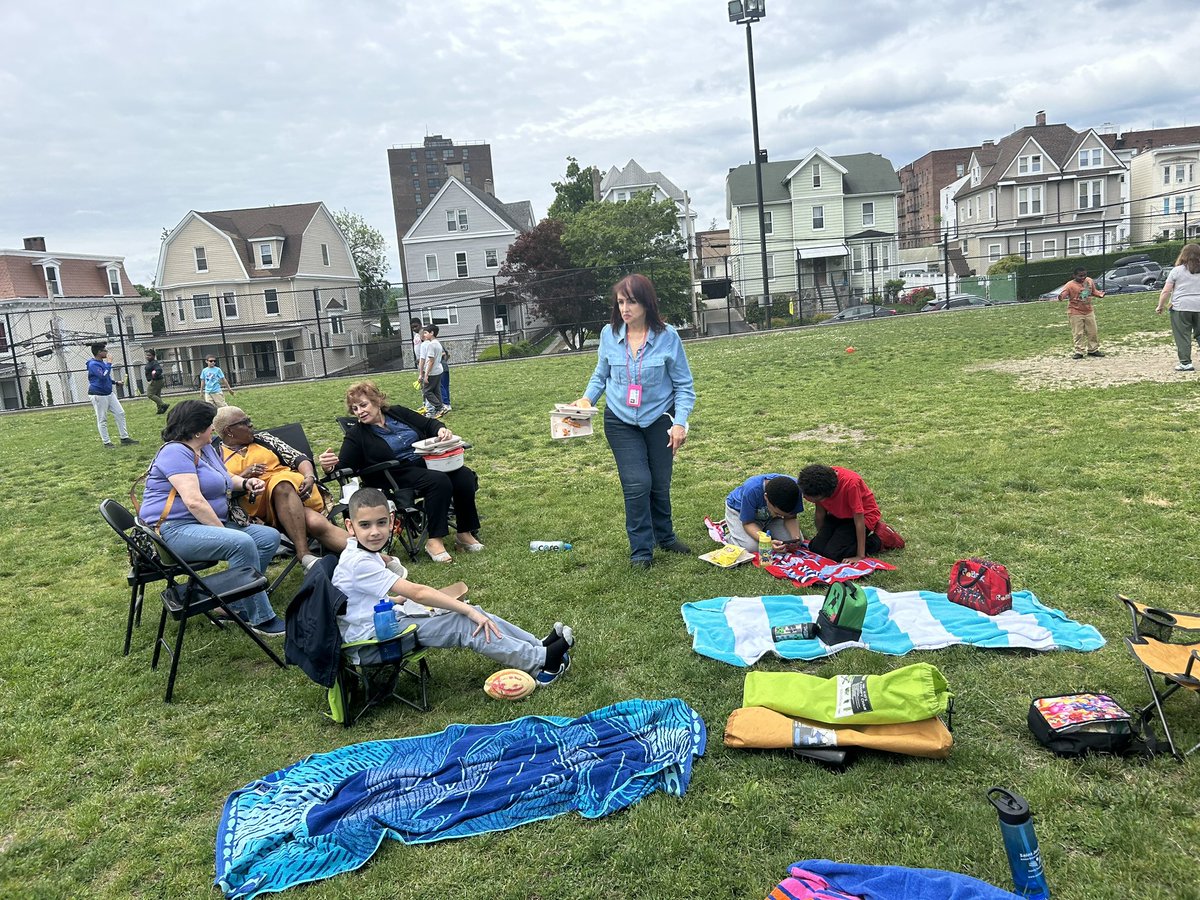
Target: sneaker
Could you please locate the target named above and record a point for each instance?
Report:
(677, 546)
(641, 563)
(273, 628)
(128, 441)
(1095, 353)
(1185, 367)
(446, 407)
(1076, 356)
(163, 409)
(308, 561)
(889, 537)
(108, 445)
(545, 678)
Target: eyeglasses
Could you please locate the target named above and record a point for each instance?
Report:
(210, 360)
(245, 422)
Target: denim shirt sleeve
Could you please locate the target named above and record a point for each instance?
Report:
(681, 378)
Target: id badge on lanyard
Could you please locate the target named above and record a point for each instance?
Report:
(634, 396)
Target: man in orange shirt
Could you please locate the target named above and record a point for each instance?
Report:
(1078, 292)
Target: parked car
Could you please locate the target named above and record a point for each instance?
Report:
(858, 314)
(1139, 276)
(956, 301)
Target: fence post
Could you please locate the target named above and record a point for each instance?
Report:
(121, 338)
(12, 345)
(220, 301)
(320, 335)
(946, 261)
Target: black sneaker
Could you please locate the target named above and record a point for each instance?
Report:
(547, 677)
(163, 409)
(108, 445)
(641, 563)
(128, 441)
(1076, 356)
(677, 546)
(1095, 353)
(272, 628)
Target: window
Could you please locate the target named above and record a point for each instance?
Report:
(446, 315)
(818, 218)
(1072, 246)
(1180, 171)
(324, 254)
(266, 256)
(433, 184)
(991, 204)
(856, 259)
(768, 222)
(114, 281)
(337, 325)
(53, 286)
(975, 176)
(1166, 174)
(431, 267)
(1029, 201)
(3, 339)
(1091, 194)
(1091, 243)
(1089, 159)
(1178, 204)
(1029, 165)
(271, 301)
(491, 259)
(816, 174)
(885, 256)
(868, 214)
(993, 253)
(202, 306)
(708, 272)
(456, 220)
(201, 260)
(1049, 248)
(229, 305)
(412, 154)
(110, 326)
(179, 314)
(1023, 249)
(970, 213)
(1166, 206)
(460, 263)
(289, 351)
(770, 265)
(960, 170)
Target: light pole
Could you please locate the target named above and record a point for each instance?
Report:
(747, 13)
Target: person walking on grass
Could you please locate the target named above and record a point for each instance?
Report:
(104, 401)
(155, 381)
(431, 372)
(211, 379)
(1078, 292)
(1182, 292)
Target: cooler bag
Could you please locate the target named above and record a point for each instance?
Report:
(980, 584)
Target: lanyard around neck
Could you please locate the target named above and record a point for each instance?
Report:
(640, 357)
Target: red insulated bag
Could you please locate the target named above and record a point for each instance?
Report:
(980, 584)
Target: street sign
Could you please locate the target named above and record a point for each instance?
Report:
(500, 324)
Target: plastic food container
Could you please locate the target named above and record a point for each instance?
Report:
(445, 462)
(571, 421)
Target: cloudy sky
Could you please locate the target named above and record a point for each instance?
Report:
(116, 119)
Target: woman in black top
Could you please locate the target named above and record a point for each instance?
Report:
(384, 433)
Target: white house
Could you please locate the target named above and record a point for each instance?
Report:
(272, 291)
(619, 185)
(52, 307)
(1164, 193)
(453, 253)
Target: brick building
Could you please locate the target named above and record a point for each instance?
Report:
(921, 182)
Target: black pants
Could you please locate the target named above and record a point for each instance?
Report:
(438, 489)
(837, 539)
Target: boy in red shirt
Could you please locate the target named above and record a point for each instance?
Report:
(1078, 292)
(846, 517)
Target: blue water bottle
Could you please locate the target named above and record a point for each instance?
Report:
(1020, 843)
(385, 628)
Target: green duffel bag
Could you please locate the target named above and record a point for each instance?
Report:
(909, 694)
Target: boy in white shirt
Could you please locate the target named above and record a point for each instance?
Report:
(441, 620)
(430, 369)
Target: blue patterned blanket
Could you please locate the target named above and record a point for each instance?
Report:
(330, 812)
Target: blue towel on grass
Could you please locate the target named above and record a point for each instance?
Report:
(737, 630)
(330, 812)
(822, 878)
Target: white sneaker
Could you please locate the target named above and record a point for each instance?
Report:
(1185, 367)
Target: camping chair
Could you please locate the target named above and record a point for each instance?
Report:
(360, 675)
(412, 526)
(1177, 664)
(188, 593)
(140, 574)
(293, 435)
(1158, 623)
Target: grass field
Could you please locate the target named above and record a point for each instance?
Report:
(979, 436)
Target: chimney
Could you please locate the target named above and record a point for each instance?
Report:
(37, 244)
(488, 187)
(455, 170)
(1040, 118)
(989, 143)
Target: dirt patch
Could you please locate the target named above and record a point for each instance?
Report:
(831, 434)
(1142, 356)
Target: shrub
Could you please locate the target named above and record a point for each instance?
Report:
(1012, 263)
(511, 351)
(918, 296)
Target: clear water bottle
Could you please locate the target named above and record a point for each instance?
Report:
(1020, 843)
(385, 628)
(540, 546)
(766, 553)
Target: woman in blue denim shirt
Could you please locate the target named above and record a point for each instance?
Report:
(642, 370)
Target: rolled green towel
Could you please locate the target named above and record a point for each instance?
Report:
(908, 694)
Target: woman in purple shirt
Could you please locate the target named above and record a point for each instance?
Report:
(187, 500)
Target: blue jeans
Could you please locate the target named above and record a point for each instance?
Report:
(252, 545)
(644, 464)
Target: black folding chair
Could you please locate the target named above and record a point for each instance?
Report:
(412, 525)
(139, 575)
(188, 593)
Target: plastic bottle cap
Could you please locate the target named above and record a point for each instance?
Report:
(1013, 808)
(384, 605)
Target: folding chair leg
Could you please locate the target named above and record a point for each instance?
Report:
(158, 638)
(1156, 703)
(292, 563)
(135, 614)
(175, 654)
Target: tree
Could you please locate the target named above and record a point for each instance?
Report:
(538, 268)
(639, 235)
(49, 395)
(153, 304)
(1006, 264)
(369, 250)
(574, 192)
(33, 395)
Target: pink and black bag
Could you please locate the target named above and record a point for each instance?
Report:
(982, 585)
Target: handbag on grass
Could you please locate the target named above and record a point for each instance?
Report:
(1075, 724)
(843, 613)
(980, 584)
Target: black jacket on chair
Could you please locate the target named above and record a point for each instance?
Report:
(314, 641)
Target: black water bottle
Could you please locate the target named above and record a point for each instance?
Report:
(1020, 843)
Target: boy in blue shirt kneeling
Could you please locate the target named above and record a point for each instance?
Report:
(769, 503)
